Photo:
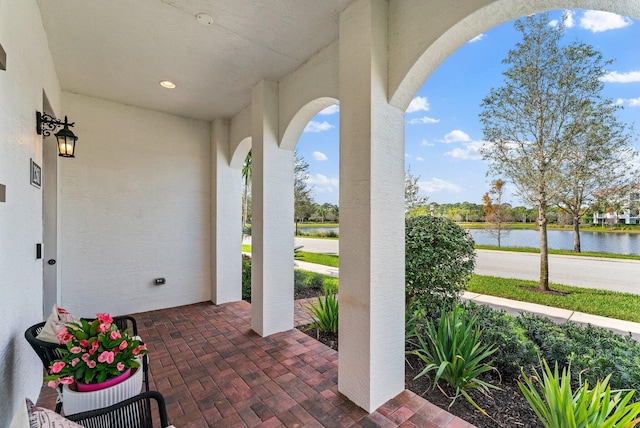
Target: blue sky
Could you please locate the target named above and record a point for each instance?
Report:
(442, 130)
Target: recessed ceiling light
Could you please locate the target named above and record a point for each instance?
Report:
(204, 19)
(167, 84)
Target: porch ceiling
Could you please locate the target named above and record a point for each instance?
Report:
(119, 50)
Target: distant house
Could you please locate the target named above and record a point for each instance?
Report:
(628, 211)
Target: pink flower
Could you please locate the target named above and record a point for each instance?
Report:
(68, 380)
(74, 362)
(142, 347)
(85, 357)
(106, 357)
(94, 347)
(120, 366)
(136, 351)
(76, 350)
(115, 334)
(57, 366)
(84, 343)
(104, 327)
(53, 383)
(91, 364)
(63, 335)
(104, 318)
(123, 345)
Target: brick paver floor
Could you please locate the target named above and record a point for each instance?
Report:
(214, 371)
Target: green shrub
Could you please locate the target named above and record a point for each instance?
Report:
(324, 314)
(299, 280)
(439, 260)
(592, 351)
(315, 281)
(330, 285)
(515, 351)
(454, 351)
(552, 399)
(246, 278)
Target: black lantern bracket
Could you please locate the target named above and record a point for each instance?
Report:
(44, 120)
(46, 124)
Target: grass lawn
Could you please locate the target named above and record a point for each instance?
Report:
(610, 304)
(320, 259)
(623, 306)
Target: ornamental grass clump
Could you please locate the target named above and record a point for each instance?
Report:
(453, 350)
(557, 406)
(324, 314)
(96, 351)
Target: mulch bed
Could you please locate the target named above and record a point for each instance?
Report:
(506, 407)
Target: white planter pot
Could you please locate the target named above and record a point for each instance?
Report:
(76, 402)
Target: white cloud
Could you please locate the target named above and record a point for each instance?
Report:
(631, 102)
(418, 104)
(615, 77)
(598, 21)
(438, 185)
(470, 151)
(425, 143)
(314, 126)
(425, 119)
(323, 184)
(456, 136)
(420, 159)
(569, 22)
(319, 156)
(330, 110)
(477, 38)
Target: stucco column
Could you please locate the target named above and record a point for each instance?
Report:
(226, 223)
(371, 327)
(272, 217)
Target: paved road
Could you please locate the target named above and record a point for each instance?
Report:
(588, 272)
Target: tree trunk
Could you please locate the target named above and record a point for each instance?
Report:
(544, 254)
(576, 234)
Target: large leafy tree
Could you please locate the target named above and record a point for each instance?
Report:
(601, 162)
(536, 121)
(412, 196)
(497, 213)
(303, 202)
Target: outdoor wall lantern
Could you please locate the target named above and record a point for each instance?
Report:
(66, 138)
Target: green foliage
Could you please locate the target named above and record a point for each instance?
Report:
(453, 351)
(246, 278)
(594, 352)
(439, 260)
(557, 406)
(315, 280)
(515, 350)
(324, 313)
(299, 280)
(330, 285)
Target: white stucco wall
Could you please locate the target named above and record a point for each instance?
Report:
(29, 72)
(135, 206)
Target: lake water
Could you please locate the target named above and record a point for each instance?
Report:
(618, 243)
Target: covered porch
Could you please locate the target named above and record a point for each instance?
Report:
(213, 370)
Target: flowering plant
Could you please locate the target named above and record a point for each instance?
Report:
(96, 351)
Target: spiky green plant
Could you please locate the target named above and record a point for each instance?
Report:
(324, 313)
(557, 406)
(454, 351)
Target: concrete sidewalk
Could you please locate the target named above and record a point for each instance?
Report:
(515, 307)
